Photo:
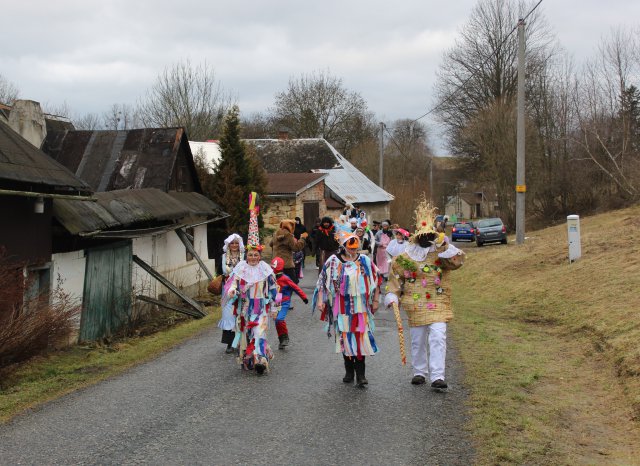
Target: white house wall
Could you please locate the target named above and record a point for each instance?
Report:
(167, 254)
(67, 275)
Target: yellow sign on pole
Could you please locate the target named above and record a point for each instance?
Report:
(521, 188)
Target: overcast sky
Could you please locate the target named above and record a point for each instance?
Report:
(92, 54)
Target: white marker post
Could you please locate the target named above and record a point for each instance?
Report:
(573, 228)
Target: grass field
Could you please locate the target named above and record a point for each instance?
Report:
(551, 349)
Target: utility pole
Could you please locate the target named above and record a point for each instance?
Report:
(521, 187)
(381, 154)
(431, 179)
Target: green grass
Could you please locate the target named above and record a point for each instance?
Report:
(45, 378)
(540, 339)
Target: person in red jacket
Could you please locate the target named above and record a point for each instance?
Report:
(287, 287)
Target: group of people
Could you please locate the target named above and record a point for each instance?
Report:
(351, 281)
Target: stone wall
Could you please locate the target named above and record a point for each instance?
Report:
(281, 208)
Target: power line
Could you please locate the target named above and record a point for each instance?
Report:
(477, 69)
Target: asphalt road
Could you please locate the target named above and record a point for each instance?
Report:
(194, 405)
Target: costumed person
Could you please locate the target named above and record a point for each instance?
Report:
(347, 296)
(383, 238)
(365, 243)
(326, 240)
(419, 282)
(233, 253)
(286, 288)
(398, 244)
(298, 230)
(284, 244)
(252, 290)
(362, 217)
(353, 224)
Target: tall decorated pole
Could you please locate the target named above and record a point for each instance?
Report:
(253, 239)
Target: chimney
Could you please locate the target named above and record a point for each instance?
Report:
(27, 119)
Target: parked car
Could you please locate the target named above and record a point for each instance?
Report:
(490, 230)
(463, 230)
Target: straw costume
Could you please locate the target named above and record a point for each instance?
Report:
(347, 296)
(419, 282)
(252, 290)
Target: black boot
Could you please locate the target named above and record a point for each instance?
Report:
(361, 380)
(349, 368)
(284, 341)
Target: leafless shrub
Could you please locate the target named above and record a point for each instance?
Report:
(31, 326)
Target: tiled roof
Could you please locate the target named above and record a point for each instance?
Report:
(291, 183)
(317, 155)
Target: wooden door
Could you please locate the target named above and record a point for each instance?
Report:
(311, 213)
(106, 300)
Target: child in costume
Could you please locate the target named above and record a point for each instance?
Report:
(347, 296)
(252, 291)
(286, 287)
(419, 283)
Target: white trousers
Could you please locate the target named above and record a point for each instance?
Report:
(436, 334)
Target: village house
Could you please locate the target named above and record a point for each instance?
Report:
(30, 181)
(283, 158)
(131, 227)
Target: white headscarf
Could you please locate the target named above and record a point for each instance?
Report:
(233, 237)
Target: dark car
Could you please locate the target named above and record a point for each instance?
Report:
(490, 230)
(463, 230)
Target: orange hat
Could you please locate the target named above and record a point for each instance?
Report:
(277, 264)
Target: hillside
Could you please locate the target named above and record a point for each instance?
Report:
(551, 348)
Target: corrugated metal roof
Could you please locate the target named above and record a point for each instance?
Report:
(22, 163)
(292, 183)
(317, 155)
(198, 205)
(128, 159)
(129, 208)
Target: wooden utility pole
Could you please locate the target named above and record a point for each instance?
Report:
(521, 187)
(381, 168)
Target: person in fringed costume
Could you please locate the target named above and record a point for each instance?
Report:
(233, 253)
(347, 296)
(252, 291)
(383, 238)
(419, 282)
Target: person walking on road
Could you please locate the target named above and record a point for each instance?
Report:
(347, 296)
(286, 288)
(233, 253)
(252, 290)
(383, 238)
(419, 282)
(326, 241)
(285, 244)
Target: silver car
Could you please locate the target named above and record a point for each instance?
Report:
(490, 230)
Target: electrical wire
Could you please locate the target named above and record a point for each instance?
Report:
(464, 83)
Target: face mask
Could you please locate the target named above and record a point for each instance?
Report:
(426, 241)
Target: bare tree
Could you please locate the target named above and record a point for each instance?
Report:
(481, 68)
(120, 116)
(8, 91)
(258, 126)
(606, 102)
(318, 105)
(88, 121)
(184, 95)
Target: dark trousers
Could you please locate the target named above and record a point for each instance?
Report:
(291, 273)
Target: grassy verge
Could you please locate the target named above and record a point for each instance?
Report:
(45, 378)
(550, 349)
